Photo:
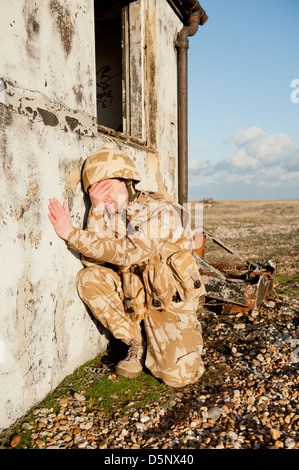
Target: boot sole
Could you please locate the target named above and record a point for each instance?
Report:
(126, 373)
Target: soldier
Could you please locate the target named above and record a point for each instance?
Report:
(139, 269)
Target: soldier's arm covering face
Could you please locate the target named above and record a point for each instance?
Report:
(144, 239)
(95, 221)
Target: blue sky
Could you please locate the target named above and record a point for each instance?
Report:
(243, 124)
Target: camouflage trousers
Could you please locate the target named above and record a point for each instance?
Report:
(174, 339)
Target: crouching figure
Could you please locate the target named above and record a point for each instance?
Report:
(140, 278)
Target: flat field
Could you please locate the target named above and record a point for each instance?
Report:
(257, 231)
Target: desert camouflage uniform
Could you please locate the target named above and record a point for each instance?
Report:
(124, 253)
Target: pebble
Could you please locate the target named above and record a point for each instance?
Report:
(275, 434)
(140, 427)
(214, 413)
(79, 397)
(252, 403)
(240, 326)
(144, 418)
(15, 441)
(290, 443)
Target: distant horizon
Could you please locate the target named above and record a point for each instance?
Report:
(228, 200)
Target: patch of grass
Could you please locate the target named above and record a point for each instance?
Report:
(287, 278)
(25, 441)
(17, 430)
(108, 395)
(288, 283)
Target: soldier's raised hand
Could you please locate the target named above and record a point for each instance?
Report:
(98, 193)
(60, 217)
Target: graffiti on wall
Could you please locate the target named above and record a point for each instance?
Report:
(104, 86)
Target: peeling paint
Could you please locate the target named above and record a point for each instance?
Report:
(18, 214)
(35, 238)
(71, 177)
(32, 191)
(151, 80)
(64, 24)
(5, 121)
(72, 122)
(36, 107)
(49, 118)
(78, 93)
(32, 29)
(31, 196)
(29, 325)
(30, 18)
(172, 164)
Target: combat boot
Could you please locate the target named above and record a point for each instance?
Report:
(132, 365)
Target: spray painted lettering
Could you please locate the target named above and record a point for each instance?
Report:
(104, 87)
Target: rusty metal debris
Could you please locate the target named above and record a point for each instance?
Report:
(244, 285)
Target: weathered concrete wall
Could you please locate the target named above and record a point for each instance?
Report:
(161, 28)
(48, 128)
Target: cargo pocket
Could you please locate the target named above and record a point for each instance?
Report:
(186, 274)
(159, 291)
(134, 296)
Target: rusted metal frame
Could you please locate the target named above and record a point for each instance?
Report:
(238, 292)
(248, 292)
(197, 16)
(179, 10)
(220, 243)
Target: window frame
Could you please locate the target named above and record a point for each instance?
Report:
(133, 64)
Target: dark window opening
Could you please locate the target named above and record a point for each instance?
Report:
(108, 39)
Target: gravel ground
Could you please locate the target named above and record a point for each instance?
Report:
(249, 401)
(248, 395)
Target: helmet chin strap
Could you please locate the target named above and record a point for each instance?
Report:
(132, 196)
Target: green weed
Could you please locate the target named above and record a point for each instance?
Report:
(108, 395)
(288, 283)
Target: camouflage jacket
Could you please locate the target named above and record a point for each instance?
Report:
(154, 235)
(144, 230)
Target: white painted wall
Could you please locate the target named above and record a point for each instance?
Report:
(48, 128)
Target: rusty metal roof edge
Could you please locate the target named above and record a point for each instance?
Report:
(179, 9)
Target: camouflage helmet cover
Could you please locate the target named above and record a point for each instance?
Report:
(108, 163)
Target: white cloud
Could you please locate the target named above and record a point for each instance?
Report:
(262, 148)
(193, 164)
(292, 178)
(291, 163)
(260, 160)
(242, 160)
(243, 137)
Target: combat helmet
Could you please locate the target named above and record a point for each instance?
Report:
(108, 163)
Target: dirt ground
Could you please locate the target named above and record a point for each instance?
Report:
(257, 230)
(248, 395)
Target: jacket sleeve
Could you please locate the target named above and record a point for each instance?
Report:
(143, 241)
(96, 223)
